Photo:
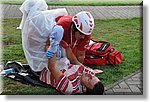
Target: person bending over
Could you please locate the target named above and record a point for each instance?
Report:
(77, 32)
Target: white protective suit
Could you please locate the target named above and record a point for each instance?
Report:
(37, 25)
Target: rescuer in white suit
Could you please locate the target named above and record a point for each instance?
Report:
(37, 26)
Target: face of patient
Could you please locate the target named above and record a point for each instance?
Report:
(88, 80)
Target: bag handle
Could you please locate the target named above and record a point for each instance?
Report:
(104, 44)
(103, 47)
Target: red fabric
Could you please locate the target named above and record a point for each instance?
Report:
(92, 50)
(107, 55)
(115, 57)
(62, 81)
(95, 61)
(65, 22)
(68, 82)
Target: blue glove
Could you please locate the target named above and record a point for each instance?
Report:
(55, 38)
(49, 54)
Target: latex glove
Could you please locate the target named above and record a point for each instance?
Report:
(49, 53)
(55, 38)
(64, 44)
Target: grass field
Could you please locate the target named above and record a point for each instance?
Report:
(123, 34)
(81, 2)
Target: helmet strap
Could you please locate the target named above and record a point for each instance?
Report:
(72, 32)
(73, 28)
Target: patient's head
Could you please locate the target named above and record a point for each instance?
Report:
(91, 84)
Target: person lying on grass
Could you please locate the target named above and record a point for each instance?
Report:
(72, 78)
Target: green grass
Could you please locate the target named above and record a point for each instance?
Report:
(81, 2)
(124, 35)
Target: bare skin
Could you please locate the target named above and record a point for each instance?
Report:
(80, 54)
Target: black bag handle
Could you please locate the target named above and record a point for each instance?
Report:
(103, 47)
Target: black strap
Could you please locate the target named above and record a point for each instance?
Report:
(29, 77)
(103, 47)
(24, 74)
(28, 80)
(103, 43)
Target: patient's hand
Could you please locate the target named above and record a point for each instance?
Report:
(97, 71)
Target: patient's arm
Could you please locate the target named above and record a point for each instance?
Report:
(70, 54)
(51, 66)
(72, 57)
